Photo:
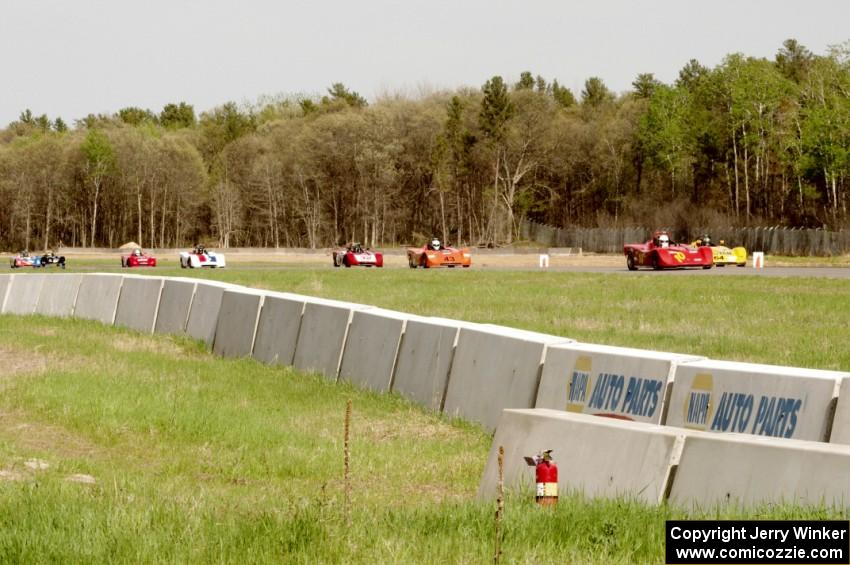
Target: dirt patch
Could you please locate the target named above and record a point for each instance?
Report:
(406, 424)
(148, 345)
(13, 362)
(6, 475)
(81, 478)
(40, 438)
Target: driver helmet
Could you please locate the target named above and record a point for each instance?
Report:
(137, 252)
(706, 239)
(663, 240)
(435, 244)
(25, 253)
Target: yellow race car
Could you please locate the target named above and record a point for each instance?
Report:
(723, 255)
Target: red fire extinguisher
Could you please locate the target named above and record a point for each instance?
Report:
(546, 476)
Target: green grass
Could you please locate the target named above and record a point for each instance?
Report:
(790, 321)
(201, 459)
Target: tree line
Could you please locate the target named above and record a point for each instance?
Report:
(751, 141)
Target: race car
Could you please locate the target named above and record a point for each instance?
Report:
(723, 255)
(24, 259)
(355, 254)
(50, 258)
(435, 254)
(661, 253)
(138, 258)
(199, 257)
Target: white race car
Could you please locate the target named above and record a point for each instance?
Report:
(199, 257)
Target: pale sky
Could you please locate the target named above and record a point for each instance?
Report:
(69, 59)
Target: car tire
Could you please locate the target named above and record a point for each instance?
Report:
(345, 262)
(630, 262)
(708, 266)
(656, 264)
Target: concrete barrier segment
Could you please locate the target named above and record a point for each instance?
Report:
(203, 313)
(5, 283)
(744, 471)
(746, 398)
(600, 457)
(425, 360)
(321, 337)
(237, 322)
(495, 368)
(23, 294)
(371, 348)
(277, 329)
(619, 382)
(174, 304)
(840, 430)
(138, 303)
(58, 295)
(98, 297)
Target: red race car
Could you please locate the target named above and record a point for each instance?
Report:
(355, 255)
(138, 259)
(435, 254)
(661, 253)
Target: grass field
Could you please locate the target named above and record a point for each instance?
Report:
(199, 459)
(786, 321)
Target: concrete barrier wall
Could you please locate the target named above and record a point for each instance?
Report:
(601, 457)
(722, 396)
(5, 282)
(277, 329)
(607, 381)
(174, 304)
(237, 322)
(321, 337)
(495, 368)
(58, 295)
(138, 303)
(739, 470)
(98, 298)
(22, 297)
(424, 360)
(371, 348)
(841, 421)
(203, 315)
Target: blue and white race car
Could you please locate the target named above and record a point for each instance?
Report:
(199, 257)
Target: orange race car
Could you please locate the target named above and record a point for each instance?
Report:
(435, 254)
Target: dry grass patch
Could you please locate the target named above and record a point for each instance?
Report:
(14, 361)
(149, 344)
(42, 438)
(408, 424)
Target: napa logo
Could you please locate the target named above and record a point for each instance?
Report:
(612, 394)
(739, 412)
(579, 384)
(698, 407)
